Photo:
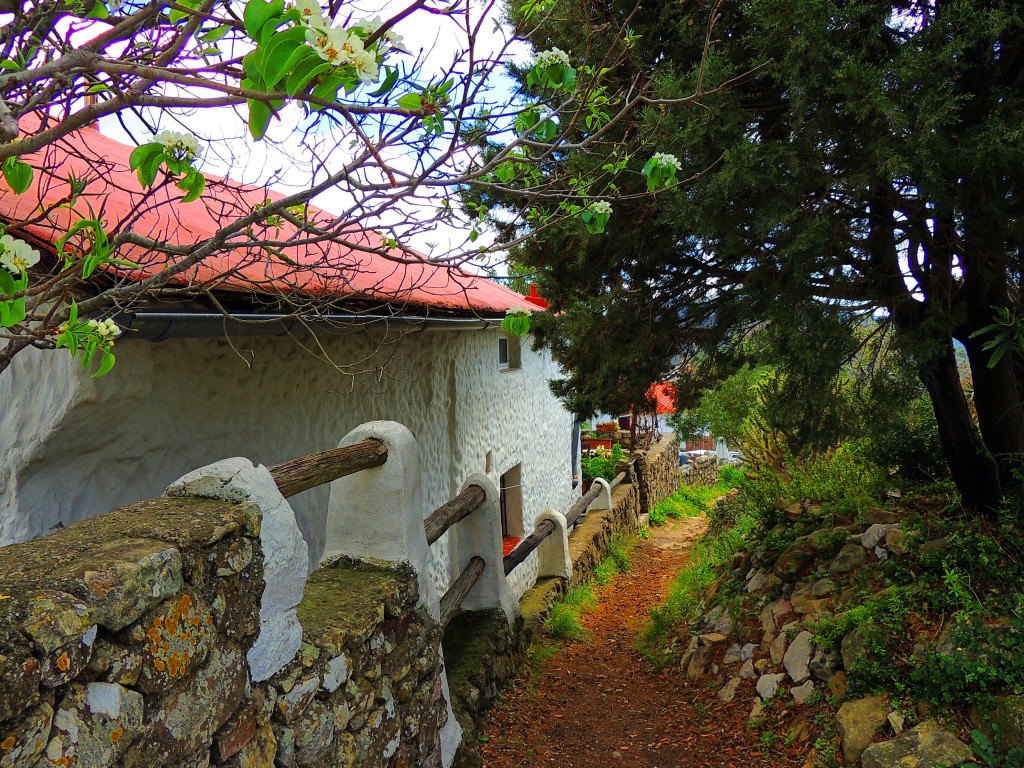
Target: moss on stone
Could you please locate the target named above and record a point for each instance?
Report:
(345, 602)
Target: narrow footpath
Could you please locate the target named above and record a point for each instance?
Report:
(599, 703)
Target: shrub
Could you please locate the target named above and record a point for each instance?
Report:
(602, 464)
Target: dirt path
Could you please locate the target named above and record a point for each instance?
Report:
(598, 703)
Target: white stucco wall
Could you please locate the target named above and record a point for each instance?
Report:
(73, 447)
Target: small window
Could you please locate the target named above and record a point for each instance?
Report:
(511, 498)
(509, 353)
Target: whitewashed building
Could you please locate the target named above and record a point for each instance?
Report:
(189, 389)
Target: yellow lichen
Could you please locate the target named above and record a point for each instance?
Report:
(9, 742)
(63, 662)
(116, 734)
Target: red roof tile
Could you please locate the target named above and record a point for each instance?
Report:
(336, 268)
(664, 396)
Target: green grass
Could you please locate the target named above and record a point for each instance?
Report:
(564, 621)
(693, 500)
(711, 555)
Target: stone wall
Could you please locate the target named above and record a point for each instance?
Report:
(657, 471)
(701, 471)
(124, 640)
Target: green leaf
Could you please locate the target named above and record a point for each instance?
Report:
(258, 13)
(411, 101)
(142, 153)
(148, 170)
(517, 325)
(389, 82)
(272, 59)
(259, 118)
(193, 185)
(9, 64)
(106, 363)
(327, 89)
(304, 72)
(17, 174)
(215, 34)
(98, 11)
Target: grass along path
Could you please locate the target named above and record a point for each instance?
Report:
(597, 702)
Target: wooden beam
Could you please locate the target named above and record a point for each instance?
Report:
(517, 556)
(305, 472)
(449, 513)
(576, 510)
(456, 594)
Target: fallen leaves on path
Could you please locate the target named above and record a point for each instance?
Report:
(599, 703)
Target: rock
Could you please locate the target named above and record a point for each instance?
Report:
(896, 541)
(877, 516)
(699, 662)
(934, 549)
(20, 675)
(857, 722)
(747, 671)
(173, 641)
(896, 721)
(797, 659)
(756, 582)
(1002, 721)
(20, 745)
(337, 673)
(740, 561)
(728, 692)
(872, 536)
(94, 725)
(126, 578)
(793, 511)
(803, 602)
(724, 625)
(858, 645)
(293, 703)
(756, 711)
(777, 649)
(850, 558)
(824, 664)
(733, 655)
(822, 588)
(258, 753)
(802, 692)
(314, 732)
(184, 721)
(924, 745)
(761, 665)
(794, 558)
(712, 638)
(747, 651)
(768, 685)
(62, 631)
(881, 553)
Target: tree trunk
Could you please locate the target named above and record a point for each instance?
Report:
(973, 468)
(1000, 412)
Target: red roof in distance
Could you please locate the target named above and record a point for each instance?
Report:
(333, 268)
(664, 396)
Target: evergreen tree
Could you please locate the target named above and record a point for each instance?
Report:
(866, 159)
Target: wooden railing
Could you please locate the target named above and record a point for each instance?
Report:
(436, 524)
(451, 512)
(305, 472)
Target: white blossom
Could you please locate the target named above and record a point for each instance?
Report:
(666, 160)
(365, 62)
(183, 146)
(17, 255)
(601, 207)
(329, 43)
(105, 329)
(518, 311)
(311, 13)
(553, 56)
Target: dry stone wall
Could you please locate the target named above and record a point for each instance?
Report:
(657, 471)
(123, 641)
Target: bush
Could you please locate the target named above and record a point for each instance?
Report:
(602, 464)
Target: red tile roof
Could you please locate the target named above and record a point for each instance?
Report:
(341, 267)
(664, 396)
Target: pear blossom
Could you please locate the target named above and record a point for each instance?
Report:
(17, 255)
(183, 146)
(665, 160)
(105, 329)
(393, 39)
(365, 63)
(601, 207)
(329, 44)
(553, 56)
(311, 14)
(518, 311)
